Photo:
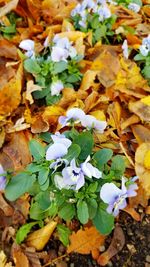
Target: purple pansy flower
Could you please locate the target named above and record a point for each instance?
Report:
(75, 114)
(116, 197)
(2, 178)
(75, 176)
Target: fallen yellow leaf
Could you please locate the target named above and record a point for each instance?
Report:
(39, 238)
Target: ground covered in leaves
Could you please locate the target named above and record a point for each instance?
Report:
(74, 133)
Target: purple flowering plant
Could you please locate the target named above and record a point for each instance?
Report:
(95, 17)
(56, 67)
(69, 177)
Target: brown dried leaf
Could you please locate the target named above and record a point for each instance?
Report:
(8, 50)
(140, 109)
(10, 94)
(84, 241)
(116, 245)
(12, 156)
(20, 259)
(7, 209)
(141, 133)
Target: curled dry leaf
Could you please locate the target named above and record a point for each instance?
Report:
(39, 238)
(8, 7)
(20, 125)
(135, 215)
(31, 87)
(10, 94)
(7, 209)
(84, 241)
(142, 166)
(116, 245)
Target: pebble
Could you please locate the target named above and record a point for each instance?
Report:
(109, 264)
(148, 258)
(102, 248)
(131, 248)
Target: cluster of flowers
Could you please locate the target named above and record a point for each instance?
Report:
(89, 6)
(61, 50)
(73, 176)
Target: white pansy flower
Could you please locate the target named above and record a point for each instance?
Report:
(58, 54)
(125, 49)
(134, 7)
(145, 47)
(104, 13)
(56, 87)
(28, 45)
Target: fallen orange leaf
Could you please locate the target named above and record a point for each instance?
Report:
(86, 240)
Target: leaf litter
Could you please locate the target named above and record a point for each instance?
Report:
(98, 63)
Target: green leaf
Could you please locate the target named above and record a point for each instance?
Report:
(45, 186)
(92, 187)
(85, 142)
(43, 175)
(146, 72)
(103, 221)
(95, 22)
(32, 66)
(41, 94)
(46, 137)
(33, 167)
(23, 231)
(37, 149)
(82, 212)
(67, 212)
(102, 157)
(118, 166)
(19, 185)
(73, 152)
(36, 213)
(60, 67)
(92, 207)
(139, 57)
(63, 233)
(50, 100)
(43, 200)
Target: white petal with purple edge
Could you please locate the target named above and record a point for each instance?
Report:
(109, 192)
(56, 151)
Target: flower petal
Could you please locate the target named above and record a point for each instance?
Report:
(80, 182)
(56, 151)
(58, 54)
(59, 182)
(90, 171)
(75, 113)
(109, 192)
(27, 44)
(56, 87)
(60, 138)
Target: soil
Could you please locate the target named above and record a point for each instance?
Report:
(136, 252)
